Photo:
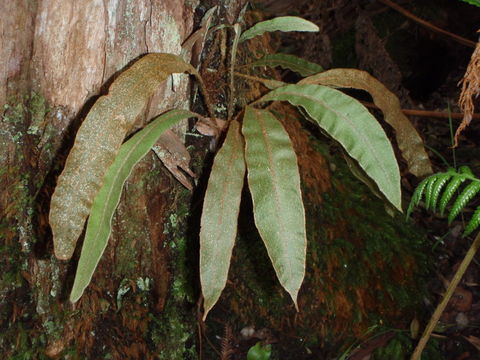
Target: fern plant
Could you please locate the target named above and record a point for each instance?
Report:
(473, 2)
(439, 189)
(255, 144)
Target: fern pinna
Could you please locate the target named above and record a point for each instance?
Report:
(440, 188)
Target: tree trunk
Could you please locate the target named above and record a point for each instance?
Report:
(57, 56)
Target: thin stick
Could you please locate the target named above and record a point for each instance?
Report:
(426, 113)
(237, 31)
(428, 25)
(412, 112)
(446, 298)
(206, 95)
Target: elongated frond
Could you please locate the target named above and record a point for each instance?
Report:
(465, 170)
(274, 182)
(417, 196)
(98, 141)
(473, 2)
(351, 124)
(409, 141)
(450, 189)
(290, 62)
(465, 196)
(106, 201)
(442, 179)
(429, 189)
(219, 216)
(449, 183)
(473, 223)
(281, 23)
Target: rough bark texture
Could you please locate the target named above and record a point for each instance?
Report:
(56, 58)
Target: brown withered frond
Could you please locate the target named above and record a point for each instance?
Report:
(470, 89)
(227, 349)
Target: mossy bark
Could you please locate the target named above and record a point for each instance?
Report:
(56, 58)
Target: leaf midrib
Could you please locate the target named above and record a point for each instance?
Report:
(389, 175)
(275, 62)
(230, 163)
(275, 189)
(127, 157)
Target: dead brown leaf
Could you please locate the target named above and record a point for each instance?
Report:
(210, 126)
(475, 341)
(470, 89)
(408, 139)
(174, 155)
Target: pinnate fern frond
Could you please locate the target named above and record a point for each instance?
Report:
(473, 223)
(417, 195)
(453, 186)
(465, 196)
(437, 188)
(429, 191)
(447, 184)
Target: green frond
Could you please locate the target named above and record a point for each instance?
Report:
(432, 180)
(417, 196)
(442, 179)
(465, 196)
(452, 186)
(465, 170)
(473, 223)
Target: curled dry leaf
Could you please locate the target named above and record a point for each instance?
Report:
(210, 126)
(196, 41)
(470, 88)
(408, 139)
(98, 141)
(174, 155)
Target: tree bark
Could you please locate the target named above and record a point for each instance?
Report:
(57, 57)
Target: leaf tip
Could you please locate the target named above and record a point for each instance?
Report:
(74, 299)
(75, 295)
(207, 306)
(294, 297)
(63, 250)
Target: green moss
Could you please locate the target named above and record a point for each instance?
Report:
(173, 332)
(53, 329)
(26, 346)
(183, 284)
(14, 112)
(38, 109)
(12, 262)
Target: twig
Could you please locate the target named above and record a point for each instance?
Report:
(443, 304)
(412, 112)
(237, 30)
(426, 113)
(428, 25)
(206, 95)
